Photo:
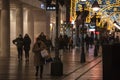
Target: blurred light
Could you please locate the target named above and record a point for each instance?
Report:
(42, 6)
(51, 27)
(83, 0)
(50, 24)
(96, 9)
(96, 32)
(116, 26)
(61, 21)
(95, 6)
(72, 22)
(91, 29)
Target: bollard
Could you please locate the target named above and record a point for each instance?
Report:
(95, 51)
(56, 68)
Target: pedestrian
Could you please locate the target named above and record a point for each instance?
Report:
(19, 44)
(39, 61)
(42, 37)
(27, 42)
(70, 43)
(87, 39)
(48, 43)
(60, 42)
(65, 40)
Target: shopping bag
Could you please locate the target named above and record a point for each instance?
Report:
(44, 53)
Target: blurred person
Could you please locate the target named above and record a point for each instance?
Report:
(39, 61)
(48, 43)
(27, 42)
(42, 37)
(87, 39)
(19, 44)
(70, 43)
(61, 42)
(65, 40)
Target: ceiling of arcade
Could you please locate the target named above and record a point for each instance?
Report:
(109, 8)
(112, 11)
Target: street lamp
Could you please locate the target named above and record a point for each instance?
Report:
(57, 65)
(95, 7)
(83, 23)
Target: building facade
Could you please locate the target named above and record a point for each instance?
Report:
(21, 17)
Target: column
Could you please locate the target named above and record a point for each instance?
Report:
(0, 30)
(5, 28)
(19, 19)
(59, 21)
(31, 25)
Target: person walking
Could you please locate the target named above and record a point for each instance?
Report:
(27, 42)
(19, 44)
(70, 43)
(39, 61)
(48, 43)
(87, 42)
(42, 37)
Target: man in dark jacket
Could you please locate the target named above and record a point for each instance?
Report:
(19, 44)
(27, 42)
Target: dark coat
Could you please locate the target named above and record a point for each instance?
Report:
(18, 42)
(61, 43)
(48, 43)
(27, 42)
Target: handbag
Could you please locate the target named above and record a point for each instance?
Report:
(44, 53)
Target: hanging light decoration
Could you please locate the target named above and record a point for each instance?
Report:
(95, 6)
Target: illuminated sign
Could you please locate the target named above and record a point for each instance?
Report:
(51, 7)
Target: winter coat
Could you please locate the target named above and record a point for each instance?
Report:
(38, 60)
(27, 42)
(18, 42)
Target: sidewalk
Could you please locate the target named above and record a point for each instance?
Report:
(93, 73)
(11, 69)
